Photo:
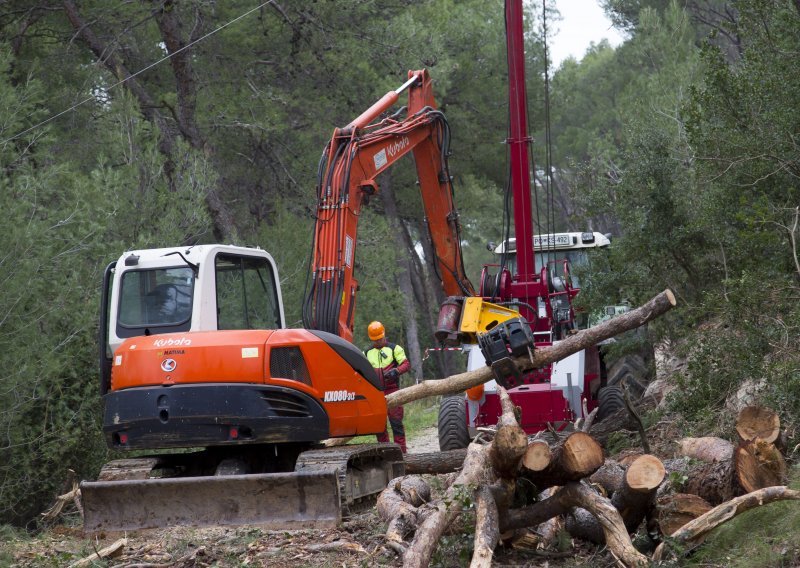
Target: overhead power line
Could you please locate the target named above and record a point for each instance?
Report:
(139, 72)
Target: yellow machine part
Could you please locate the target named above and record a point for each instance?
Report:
(479, 316)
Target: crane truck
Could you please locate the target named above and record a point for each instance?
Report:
(533, 276)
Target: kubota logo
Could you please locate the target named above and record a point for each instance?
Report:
(398, 146)
(179, 342)
(168, 365)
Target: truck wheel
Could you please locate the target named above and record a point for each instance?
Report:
(631, 370)
(609, 400)
(452, 423)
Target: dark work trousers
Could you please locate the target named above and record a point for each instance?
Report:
(396, 422)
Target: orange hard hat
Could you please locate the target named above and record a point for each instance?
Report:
(376, 331)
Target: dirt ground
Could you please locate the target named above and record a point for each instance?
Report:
(358, 542)
(425, 441)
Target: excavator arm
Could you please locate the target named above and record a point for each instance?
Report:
(350, 164)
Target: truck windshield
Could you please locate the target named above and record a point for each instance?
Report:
(555, 259)
(158, 297)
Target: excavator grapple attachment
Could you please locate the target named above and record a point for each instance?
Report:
(295, 500)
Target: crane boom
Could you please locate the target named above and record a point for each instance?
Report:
(351, 162)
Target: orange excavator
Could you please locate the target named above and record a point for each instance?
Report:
(196, 357)
(355, 156)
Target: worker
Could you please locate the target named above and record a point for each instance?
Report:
(389, 361)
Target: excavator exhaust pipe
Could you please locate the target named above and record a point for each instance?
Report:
(292, 500)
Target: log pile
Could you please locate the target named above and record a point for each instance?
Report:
(488, 481)
(527, 489)
(579, 491)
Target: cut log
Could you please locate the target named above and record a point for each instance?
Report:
(435, 462)
(444, 511)
(609, 477)
(632, 499)
(759, 464)
(542, 357)
(487, 530)
(755, 465)
(480, 464)
(537, 456)
(548, 530)
(758, 422)
(571, 459)
(398, 505)
(677, 509)
(639, 485)
(510, 442)
(579, 495)
(702, 525)
(709, 449)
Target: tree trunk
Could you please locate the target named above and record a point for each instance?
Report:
(435, 462)
(398, 505)
(443, 512)
(571, 459)
(403, 278)
(639, 484)
(709, 449)
(486, 528)
(632, 499)
(541, 357)
(510, 441)
(578, 495)
(424, 297)
(224, 226)
(677, 509)
(755, 465)
(609, 477)
(433, 285)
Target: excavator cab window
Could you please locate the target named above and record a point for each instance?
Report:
(247, 296)
(159, 298)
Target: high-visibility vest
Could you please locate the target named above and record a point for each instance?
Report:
(386, 356)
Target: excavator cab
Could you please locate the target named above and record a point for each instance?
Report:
(199, 370)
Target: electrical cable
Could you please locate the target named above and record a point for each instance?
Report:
(139, 72)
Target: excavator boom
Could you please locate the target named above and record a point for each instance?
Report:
(352, 160)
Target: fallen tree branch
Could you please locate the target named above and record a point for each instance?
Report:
(447, 509)
(107, 552)
(572, 495)
(702, 525)
(486, 528)
(657, 306)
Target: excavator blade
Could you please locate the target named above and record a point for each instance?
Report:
(273, 501)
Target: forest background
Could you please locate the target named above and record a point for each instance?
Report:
(683, 143)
